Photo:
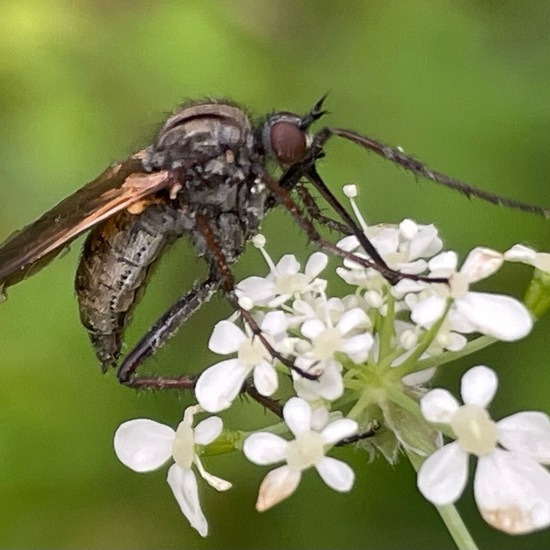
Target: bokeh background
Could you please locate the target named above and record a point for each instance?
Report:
(462, 85)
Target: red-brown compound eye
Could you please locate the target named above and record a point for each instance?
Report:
(288, 142)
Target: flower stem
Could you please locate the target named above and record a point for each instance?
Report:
(407, 367)
(448, 356)
(450, 516)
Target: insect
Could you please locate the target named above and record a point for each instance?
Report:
(207, 176)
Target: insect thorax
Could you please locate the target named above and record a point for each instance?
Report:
(212, 152)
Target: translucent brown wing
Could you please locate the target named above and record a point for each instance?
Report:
(118, 187)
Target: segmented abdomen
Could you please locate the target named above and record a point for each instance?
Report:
(117, 257)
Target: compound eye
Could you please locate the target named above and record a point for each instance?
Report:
(288, 142)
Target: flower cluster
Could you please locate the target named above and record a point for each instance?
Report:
(361, 361)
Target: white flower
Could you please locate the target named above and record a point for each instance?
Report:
(307, 450)
(316, 356)
(495, 315)
(145, 445)
(220, 384)
(349, 335)
(529, 256)
(511, 488)
(284, 281)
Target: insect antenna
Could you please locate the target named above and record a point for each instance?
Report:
(413, 165)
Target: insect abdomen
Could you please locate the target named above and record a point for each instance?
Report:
(113, 269)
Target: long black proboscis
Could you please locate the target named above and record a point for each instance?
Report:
(413, 165)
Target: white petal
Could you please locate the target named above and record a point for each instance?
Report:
(419, 378)
(481, 263)
(220, 384)
(143, 445)
(214, 481)
(439, 406)
(423, 242)
(265, 378)
(408, 229)
(184, 486)
(336, 474)
(521, 253)
(443, 475)
(339, 429)
(226, 338)
(456, 342)
(258, 289)
(264, 448)
(351, 319)
(444, 264)
(329, 386)
(348, 243)
(428, 311)
(416, 267)
(297, 414)
(312, 328)
(288, 265)
(316, 263)
(528, 433)
(478, 386)
(276, 486)
(526, 255)
(387, 241)
(357, 347)
(208, 430)
(459, 323)
(275, 322)
(435, 245)
(512, 492)
(405, 286)
(495, 315)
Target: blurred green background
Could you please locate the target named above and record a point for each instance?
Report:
(463, 85)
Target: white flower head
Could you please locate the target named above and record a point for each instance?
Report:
(511, 487)
(499, 316)
(145, 445)
(219, 385)
(306, 450)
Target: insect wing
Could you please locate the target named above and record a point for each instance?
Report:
(118, 187)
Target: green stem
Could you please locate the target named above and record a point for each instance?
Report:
(438, 360)
(386, 332)
(450, 516)
(409, 364)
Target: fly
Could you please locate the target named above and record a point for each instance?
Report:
(208, 177)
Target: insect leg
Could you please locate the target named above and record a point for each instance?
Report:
(312, 208)
(418, 168)
(228, 285)
(164, 329)
(159, 333)
(391, 275)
